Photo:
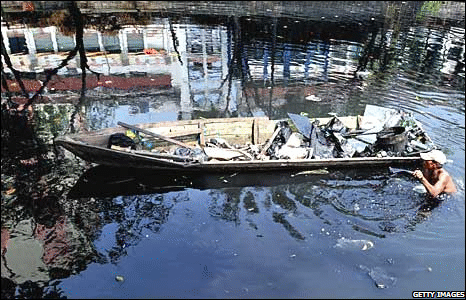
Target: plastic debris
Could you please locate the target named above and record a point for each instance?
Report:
(354, 244)
(381, 279)
(419, 189)
(311, 172)
(313, 98)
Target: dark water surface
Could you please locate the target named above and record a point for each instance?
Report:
(77, 231)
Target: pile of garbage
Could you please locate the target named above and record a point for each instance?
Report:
(383, 132)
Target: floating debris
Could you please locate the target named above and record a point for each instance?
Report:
(311, 172)
(381, 279)
(388, 226)
(354, 244)
(313, 98)
(419, 189)
(119, 278)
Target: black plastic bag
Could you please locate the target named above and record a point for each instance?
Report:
(121, 140)
(281, 139)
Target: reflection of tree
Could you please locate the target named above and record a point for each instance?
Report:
(29, 290)
(225, 207)
(280, 218)
(237, 55)
(225, 204)
(136, 215)
(71, 22)
(65, 250)
(175, 41)
(76, 18)
(368, 50)
(27, 166)
(371, 206)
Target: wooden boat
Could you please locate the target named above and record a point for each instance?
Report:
(253, 132)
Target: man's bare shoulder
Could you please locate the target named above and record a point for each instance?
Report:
(447, 180)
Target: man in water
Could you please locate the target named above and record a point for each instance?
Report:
(434, 178)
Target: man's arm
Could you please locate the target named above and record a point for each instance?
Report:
(437, 188)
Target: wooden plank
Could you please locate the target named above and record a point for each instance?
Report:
(228, 128)
(201, 136)
(196, 121)
(242, 134)
(266, 129)
(221, 153)
(164, 156)
(175, 132)
(255, 132)
(233, 133)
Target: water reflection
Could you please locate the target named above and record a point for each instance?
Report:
(125, 220)
(43, 247)
(214, 66)
(372, 203)
(366, 205)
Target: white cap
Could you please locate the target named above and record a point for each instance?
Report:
(435, 155)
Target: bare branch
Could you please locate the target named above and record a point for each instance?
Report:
(50, 73)
(175, 41)
(79, 25)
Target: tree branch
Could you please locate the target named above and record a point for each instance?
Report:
(50, 73)
(175, 41)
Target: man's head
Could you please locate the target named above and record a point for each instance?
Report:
(435, 156)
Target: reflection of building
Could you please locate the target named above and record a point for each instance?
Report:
(453, 50)
(208, 54)
(213, 66)
(209, 68)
